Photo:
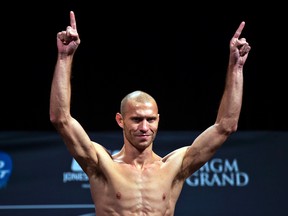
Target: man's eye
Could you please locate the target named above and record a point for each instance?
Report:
(137, 119)
(151, 120)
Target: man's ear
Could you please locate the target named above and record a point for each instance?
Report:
(119, 119)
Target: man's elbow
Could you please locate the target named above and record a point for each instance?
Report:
(58, 121)
(228, 126)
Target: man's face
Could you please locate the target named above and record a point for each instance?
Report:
(140, 124)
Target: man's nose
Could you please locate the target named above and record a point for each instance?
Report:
(144, 125)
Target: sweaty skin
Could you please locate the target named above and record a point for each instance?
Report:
(136, 181)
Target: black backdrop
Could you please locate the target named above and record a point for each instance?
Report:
(178, 53)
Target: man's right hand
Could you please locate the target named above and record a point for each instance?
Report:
(68, 41)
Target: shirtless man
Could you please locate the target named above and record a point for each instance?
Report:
(136, 181)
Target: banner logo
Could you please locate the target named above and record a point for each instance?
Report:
(5, 169)
(219, 172)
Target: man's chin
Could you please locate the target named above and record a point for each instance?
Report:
(144, 143)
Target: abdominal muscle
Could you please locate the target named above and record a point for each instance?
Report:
(137, 192)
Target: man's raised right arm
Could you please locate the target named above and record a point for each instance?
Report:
(76, 139)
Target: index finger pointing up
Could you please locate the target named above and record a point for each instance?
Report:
(72, 20)
(238, 32)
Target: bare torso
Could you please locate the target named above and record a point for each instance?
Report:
(124, 189)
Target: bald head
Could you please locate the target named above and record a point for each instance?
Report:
(136, 97)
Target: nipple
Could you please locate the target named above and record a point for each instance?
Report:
(118, 195)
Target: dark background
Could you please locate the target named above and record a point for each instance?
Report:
(177, 53)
